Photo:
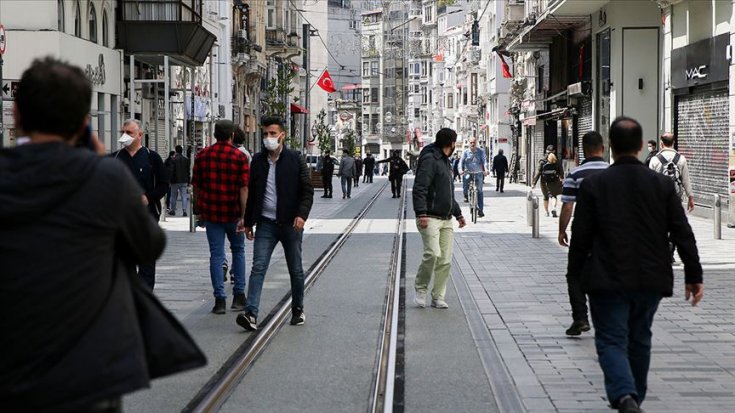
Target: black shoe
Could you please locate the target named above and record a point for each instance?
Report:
(184, 214)
(466, 200)
(553, 213)
(238, 302)
(172, 213)
(627, 404)
(480, 214)
(578, 327)
(297, 317)
(329, 196)
(324, 196)
(344, 196)
(219, 306)
(247, 321)
(348, 197)
(496, 189)
(501, 191)
(225, 268)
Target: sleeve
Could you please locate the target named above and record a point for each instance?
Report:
(456, 210)
(424, 176)
(655, 164)
(582, 231)
(196, 177)
(538, 174)
(494, 165)
(341, 167)
(682, 236)
(161, 178)
(686, 183)
(462, 160)
(569, 190)
(306, 191)
(250, 204)
(244, 171)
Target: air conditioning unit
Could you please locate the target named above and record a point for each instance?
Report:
(515, 12)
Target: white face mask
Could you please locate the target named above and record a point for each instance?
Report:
(125, 140)
(271, 143)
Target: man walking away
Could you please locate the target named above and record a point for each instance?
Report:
(358, 170)
(473, 161)
(180, 181)
(239, 141)
(147, 168)
(674, 165)
(396, 169)
(280, 200)
(169, 165)
(623, 220)
(327, 174)
(434, 205)
(500, 167)
(220, 181)
(347, 171)
(652, 152)
(593, 149)
(455, 169)
(369, 165)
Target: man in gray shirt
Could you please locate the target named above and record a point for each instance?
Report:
(347, 172)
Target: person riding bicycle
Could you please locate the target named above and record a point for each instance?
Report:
(473, 161)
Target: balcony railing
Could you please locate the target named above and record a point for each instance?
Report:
(162, 10)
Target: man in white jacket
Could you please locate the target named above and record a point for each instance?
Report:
(669, 153)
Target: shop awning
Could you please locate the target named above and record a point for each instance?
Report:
(352, 86)
(298, 109)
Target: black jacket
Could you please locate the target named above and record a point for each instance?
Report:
(433, 188)
(369, 164)
(327, 166)
(148, 169)
(293, 187)
(624, 218)
(71, 225)
(397, 167)
(500, 165)
(180, 169)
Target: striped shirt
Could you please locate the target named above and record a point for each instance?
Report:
(590, 166)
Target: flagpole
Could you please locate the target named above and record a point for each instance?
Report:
(307, 52)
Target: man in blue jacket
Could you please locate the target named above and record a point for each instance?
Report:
(279, 202)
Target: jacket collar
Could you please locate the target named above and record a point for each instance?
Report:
(593, 159)
(627, 160)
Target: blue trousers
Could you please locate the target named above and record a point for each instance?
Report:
(216, 234)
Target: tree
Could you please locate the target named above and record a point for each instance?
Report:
(348, 141)
(323, 136)
(276, 100)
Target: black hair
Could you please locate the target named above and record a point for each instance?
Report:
(500, 151)
(223, 129)
(273, 120)
(172, 153)
(653, 143)
(626, 135)
(179, 149)
(592, 142)
(53, 97)
(445, 137)
(239, 138)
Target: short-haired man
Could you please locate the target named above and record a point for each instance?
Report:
(620, 234)
(148, 169)
(180, 171)
(369, 165)
(473, 161)
(220, 181)
(434, 205)
(652, 151)
(500, 168)
(239, 141)
(327, 172)
(668, 154)
(347, 172)
(593, 149)
(280, 200)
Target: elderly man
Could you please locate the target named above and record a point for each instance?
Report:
(473, 161)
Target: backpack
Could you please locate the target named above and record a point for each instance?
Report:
(549, 173)
(671, 169)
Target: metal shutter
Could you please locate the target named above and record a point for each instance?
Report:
(702, 129)
(584, 123)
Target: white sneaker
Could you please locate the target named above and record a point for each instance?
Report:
(439, 304)
(419, 298)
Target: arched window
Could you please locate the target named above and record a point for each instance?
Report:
(92, 23)
(78, 20)
(60, 14)
(105, 30)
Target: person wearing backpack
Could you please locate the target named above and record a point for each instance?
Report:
(674, 165)
(550, 173)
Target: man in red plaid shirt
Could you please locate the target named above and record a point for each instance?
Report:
(220, 181)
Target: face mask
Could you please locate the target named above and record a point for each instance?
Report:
(650, 148)
(125, 140)
(271, 143)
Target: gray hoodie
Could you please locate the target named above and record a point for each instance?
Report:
(347, 167)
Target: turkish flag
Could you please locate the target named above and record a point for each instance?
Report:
(325, 82)
(505, 67)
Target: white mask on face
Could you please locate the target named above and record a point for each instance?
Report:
(125, 140)
(271, 143)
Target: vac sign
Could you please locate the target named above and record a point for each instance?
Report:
(697, 72)
(700, 63)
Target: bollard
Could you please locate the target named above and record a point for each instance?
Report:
(529, 208)
(192, 218)
(535, 230)
(717, 216)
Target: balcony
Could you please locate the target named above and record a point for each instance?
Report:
(152, 29)
(277, 41)
(370, 51)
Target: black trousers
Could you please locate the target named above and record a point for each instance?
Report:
(368, 177)
(395, 185)
(499, 182)
(327, 183)
(577, 299)
(147, 272)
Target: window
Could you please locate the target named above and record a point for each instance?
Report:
(271, 23)
(365, 69)
(78, 20)
(473, 88)
(416, 113)
(353, 24)
(92, 23)
(428, 16)
(374, 95)
(430, 97)
(423, 94)
(105, 30)
(415, 88)
(423, 68)
(374, 120)
(60, 15)
(371, 41)
(374, 68)
(366, 95)
(450, 100)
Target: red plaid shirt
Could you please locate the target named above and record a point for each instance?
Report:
(220, 171)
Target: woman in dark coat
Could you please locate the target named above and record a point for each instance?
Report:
(551, 175)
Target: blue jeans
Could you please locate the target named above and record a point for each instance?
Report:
(479, 178)
(622, 323)
(216, 237)
(176, 190)
(346, 185)
(268, 233)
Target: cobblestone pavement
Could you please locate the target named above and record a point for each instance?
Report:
(519, 286)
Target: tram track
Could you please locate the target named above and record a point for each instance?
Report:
(215, 393)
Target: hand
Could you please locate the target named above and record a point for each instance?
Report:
(563, 240)
(249, 233)
(145, 200)
(298, 224)
(462, 222)
(423, 222)
(485, 173)
(695, 291)
(99, 147)
(690, 204)
(240, 226)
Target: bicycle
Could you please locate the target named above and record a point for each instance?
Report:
(472, 194)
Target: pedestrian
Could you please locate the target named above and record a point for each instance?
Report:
(358, 171)
(455, 169)
(220, 182)
(434, 205)
(551, 174)
(673, 164)
(180, 173)
(397, 167)
(79, 329)
(327, 173)
(280, 200)
(169, 164)
(369, 164)
(619, 250)
(499, 169)
(652, 151)
(239, 141)
(593, 149)
(147, 168)
(347, 172)
(473, 161)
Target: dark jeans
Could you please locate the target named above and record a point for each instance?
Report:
(577, 298)
(268, 233)
(395, 185)
(368, 177)
(327, 183)
(622, 323)
(216, 234)
(147, 272)
(346, 185)
(499, 182)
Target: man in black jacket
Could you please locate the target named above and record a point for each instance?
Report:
(500, 167)
(327, 174)
(369, 165)
(279, 203)
(620, 249)
(434, 205)
(180, 172)
(397, 168)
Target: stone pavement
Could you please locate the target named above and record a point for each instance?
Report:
(519, 286)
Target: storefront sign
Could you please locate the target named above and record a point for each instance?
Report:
(96, 75)
(700, 63)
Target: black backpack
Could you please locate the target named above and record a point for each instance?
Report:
(671, 169)
(549, 173)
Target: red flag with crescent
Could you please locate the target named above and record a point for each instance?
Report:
(325, 82)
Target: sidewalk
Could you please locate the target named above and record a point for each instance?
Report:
(519, 286)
